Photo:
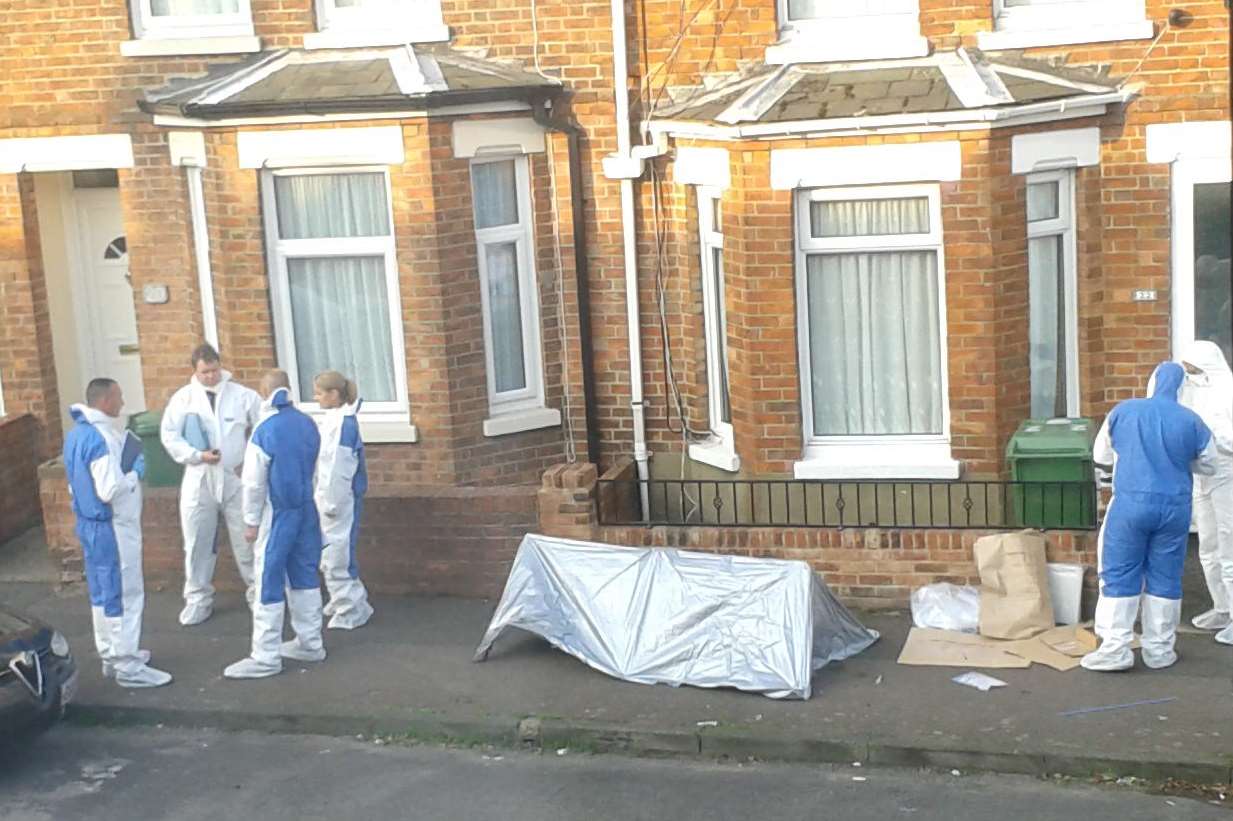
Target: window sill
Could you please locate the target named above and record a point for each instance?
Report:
(522, 421)
(812, 47)
(367, 38)
(175, 47)
(1011, 38)
(379, 431)
(717, 453)
(878, 460)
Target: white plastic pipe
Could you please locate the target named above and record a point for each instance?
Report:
(201, 247)
(620, 76)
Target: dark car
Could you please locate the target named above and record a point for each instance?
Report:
(38, 677)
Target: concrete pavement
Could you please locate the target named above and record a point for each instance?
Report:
(410, 673)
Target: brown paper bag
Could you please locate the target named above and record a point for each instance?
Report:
(1014, 585)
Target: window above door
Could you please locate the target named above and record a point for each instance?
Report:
(1028, 23)
(359, 23)
(179, 27)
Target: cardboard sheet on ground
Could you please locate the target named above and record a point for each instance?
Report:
(663, 616)
(1059, 648)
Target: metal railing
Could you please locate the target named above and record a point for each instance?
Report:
(940, 505)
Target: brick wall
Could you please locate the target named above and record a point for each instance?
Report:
(429, 541)
(19, 490)
(870, 567)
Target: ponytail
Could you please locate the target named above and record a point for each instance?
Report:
(335, 381)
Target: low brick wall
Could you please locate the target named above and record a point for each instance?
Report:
(866, 567)
(455, 541)
(19, 492)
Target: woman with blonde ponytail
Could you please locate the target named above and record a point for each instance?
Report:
(341, 483)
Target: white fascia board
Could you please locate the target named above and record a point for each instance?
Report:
(74, 153)
(520, 135)
(1168, 142)
(1048, 150)
(378, 145)
(187, 148)
(702, 166)
(793, 168)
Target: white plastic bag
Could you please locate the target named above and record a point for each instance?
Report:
(945, 606)
(980, 681)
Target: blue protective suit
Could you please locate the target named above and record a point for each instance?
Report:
(1154, 442)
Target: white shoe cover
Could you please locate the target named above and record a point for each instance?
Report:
(1225, 636)
(358, 617)
(1160, 619)
(1212, 620)
(293, 650)
(109, 667)
(251, 668)
(143, 676)
(1115, 621)
(195, 614)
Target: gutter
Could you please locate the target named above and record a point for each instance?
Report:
(543, 114)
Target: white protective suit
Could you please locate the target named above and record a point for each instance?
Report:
(1210, 394)
(341, 481)
(208, 490)
(107, 506)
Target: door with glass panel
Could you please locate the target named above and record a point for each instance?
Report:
(1201, 254)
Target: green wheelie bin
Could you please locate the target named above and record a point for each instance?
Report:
(161, 469)
(1051, 464)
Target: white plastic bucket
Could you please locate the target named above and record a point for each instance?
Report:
(1066, 590)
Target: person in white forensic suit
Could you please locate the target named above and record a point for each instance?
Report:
(341, 482)
(205, 427)
(107, 507)
(1208, 391)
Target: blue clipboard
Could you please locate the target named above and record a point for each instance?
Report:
(195, 433)
(130, 453)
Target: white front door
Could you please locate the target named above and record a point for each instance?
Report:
(1201, 254)
(104, 295)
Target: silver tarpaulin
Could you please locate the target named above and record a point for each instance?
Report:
(663, 616)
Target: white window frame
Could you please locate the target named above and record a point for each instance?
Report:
(1061, 22)
(898, 456)
(388, 421)
(719, 450)
(524, 408)
(352, 27)
(1188, 172)
(1064, 226)
(866, 36)
(148, 26)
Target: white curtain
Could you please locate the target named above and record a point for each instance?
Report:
(314, 206)
(1043, 199)
(183, 8)
(496, 194)
(869, 218)
(340, 312)
(505, 311)
(1047, 327)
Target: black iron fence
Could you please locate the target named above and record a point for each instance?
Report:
(942, 505)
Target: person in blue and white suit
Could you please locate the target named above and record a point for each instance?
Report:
(281, 518)
(342, 480)
(1155, 446)
(107, 505)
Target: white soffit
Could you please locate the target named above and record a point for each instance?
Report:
(79, 153)
(1047, 150)
(518, 135)
(187, 148)
(1167, 142)
(379, 145)
(865, 165)
(702, 166)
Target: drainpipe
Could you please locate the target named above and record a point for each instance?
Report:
(201, 248)
(543, 114)
(626, 167)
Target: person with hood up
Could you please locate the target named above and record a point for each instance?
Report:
(281, 518)
(107, 505)
(1154, 445)
(1209, 392)
(205, 427)
(342, 480)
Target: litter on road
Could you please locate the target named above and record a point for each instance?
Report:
(980, 681)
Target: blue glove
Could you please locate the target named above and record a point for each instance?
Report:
(139, 467)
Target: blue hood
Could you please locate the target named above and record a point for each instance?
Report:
(1169, 377)
(281, 398)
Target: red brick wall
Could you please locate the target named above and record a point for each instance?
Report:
(19, 490)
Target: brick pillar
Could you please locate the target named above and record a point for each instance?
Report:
(27, 361)
(567, 501)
